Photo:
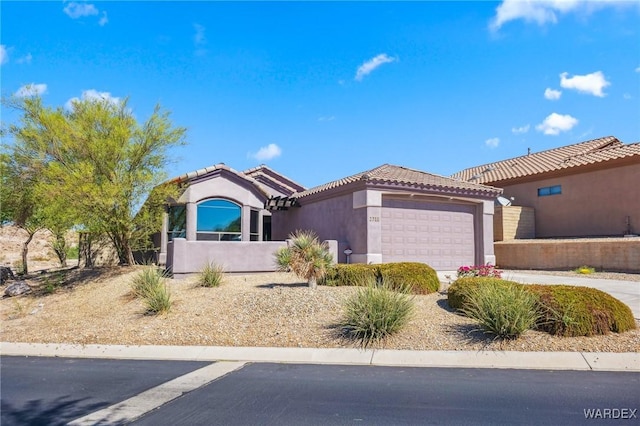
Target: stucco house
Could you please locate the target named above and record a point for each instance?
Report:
(586, 189)
(393, 213)
(387, 214)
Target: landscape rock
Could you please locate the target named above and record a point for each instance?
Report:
(6, 274)
(17, 288)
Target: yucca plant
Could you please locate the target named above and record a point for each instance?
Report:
(306, 256)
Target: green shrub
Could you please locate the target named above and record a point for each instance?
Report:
(211, 275)
(149, 285)
(353, 274)
(504, 310)
(456, 294)
(584, 270)
(565, 310)
(376, 311)
(420, 278)
(581, 311)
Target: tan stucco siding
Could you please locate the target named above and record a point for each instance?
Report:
(595, 203)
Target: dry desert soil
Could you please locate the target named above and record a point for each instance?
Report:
(268, 309)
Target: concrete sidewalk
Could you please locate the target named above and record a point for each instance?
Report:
(627, 292)
(377, 357)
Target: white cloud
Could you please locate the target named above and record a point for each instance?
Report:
(199, 38)
(327, 118)
(520, 130)
(638, 69)
(492, 143)
(373, 63)
(26, 59)
(590, 83)
(78, 10)
(32, 89)
(268, 152)
(556, 123)
(551, 94)
(104, 20)
(627, 96)
(4, 55)
(93, 95)
(542, 12)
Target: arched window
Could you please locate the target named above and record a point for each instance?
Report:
(219, 220)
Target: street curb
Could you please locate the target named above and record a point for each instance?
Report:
(596, 361)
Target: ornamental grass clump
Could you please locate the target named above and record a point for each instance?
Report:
(376, 311)
(150, 286)
(211, 275)
(506, 311)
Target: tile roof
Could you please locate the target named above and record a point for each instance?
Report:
(270, 177)
(566, 157)
(217, 168)
(405, 177)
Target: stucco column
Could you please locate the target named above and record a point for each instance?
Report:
(246, 223)
(371, 202)
(487, 232)
(162, 256)
(192, 221)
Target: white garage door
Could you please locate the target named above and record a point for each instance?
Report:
(438, 234)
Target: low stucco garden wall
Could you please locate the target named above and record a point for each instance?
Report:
(609, 254)
(189, 257)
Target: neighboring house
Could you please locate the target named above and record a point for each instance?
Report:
(387, 214)
(586, 189)
(392, 214)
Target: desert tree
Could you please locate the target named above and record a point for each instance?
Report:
(18, 202)
(95, 159)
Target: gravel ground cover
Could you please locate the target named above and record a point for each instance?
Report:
(270, 309)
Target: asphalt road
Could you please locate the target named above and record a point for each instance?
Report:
(54, 391)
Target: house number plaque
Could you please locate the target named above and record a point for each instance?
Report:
(374, 218)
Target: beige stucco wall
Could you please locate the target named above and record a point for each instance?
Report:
(595, 203)
(345, 218)
(188, 257)
(609, 254)
(331, 219)
(513, 222)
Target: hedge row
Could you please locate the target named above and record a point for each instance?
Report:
(419, 277)
(565, 310)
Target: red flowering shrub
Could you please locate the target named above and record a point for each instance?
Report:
(487, 270)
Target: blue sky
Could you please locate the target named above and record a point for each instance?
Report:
(322, 90)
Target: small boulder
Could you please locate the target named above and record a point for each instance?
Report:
(6, 274)
(17, 288)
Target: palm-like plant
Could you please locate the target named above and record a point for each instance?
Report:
(306, 256)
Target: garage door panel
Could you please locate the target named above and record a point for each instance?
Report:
(439, 234)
